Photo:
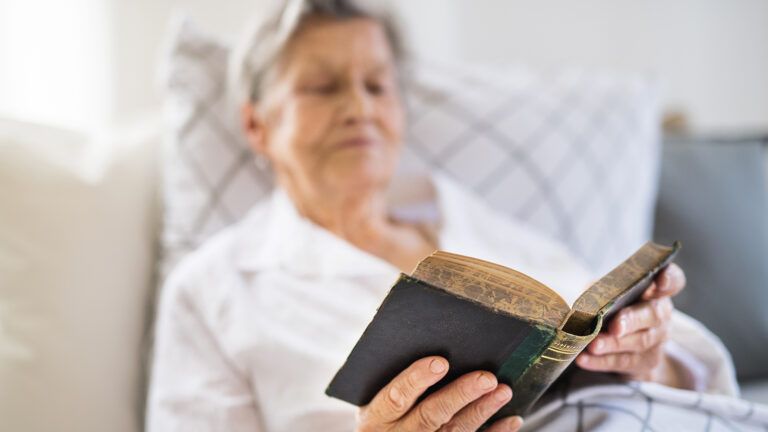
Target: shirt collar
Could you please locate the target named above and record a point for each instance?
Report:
(275, 235)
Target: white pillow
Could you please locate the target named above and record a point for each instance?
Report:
(76, 256)
(210, 178)
(574, 153)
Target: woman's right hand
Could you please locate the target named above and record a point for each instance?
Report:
(462, 405)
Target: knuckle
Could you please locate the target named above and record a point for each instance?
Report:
(430, 417)
(656, 311)
(473, 417)
(648, 339)
(625, 361)
(455, 427)
(411, 383)
(465, 392)
(613, 343)
(636, 318)
(627, 315)
(480, 411)
(394, 399)
(598, 363)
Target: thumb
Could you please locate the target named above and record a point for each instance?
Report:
(668, 283)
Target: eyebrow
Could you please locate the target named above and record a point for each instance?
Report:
(317, 64)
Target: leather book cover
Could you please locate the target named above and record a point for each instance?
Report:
(417, 320)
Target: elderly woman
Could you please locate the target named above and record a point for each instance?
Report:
(253, 326)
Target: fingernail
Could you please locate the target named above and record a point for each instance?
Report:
(485, 382)
(517, 421)
(503, 394)
(437, 366)
(623, 324)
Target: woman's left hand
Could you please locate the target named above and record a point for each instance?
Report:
(633, 344)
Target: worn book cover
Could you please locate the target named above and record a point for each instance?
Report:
(483, 316)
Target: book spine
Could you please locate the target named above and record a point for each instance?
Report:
(540, 375)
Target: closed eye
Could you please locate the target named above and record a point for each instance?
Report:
(375, 88)
(321, 89)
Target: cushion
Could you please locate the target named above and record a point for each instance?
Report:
(573, 153)
(76, 261)
(210, 178)
(756, 391)
(714, 197)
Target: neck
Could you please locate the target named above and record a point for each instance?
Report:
(358, 216)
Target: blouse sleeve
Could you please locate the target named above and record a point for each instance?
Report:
(703, 355)
(193, 386)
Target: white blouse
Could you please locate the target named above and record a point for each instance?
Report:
(253, 325)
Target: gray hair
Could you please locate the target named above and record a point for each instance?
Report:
(258, 52)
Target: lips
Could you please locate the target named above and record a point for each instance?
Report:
(356, 142)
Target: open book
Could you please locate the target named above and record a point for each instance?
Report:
(483, 316)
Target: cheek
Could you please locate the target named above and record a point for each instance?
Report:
(393, 121)
(297, 130)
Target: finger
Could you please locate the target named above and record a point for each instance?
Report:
(652, 289)
(668, 283)
(471, 417)
(641, 316)
(626, 363)
(509, 424)
(397, 397)
(438, 409)
(606, 343)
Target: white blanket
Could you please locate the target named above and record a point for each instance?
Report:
(593, 402)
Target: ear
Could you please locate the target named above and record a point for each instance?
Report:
(253, 126)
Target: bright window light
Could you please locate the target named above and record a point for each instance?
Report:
(54, 62)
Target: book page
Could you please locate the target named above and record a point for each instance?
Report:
(634, 274)
(495, 286)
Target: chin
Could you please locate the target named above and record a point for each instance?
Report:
(368, 174)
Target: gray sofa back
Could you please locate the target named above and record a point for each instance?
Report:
(714, 198)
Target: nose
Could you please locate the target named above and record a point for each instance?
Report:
(358, 105)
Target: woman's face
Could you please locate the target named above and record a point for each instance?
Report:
(331, 118)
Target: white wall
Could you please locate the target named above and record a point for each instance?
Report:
(139, 30)
(711, 55)
(54, 61)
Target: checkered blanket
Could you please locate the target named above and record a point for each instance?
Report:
(592, 402)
